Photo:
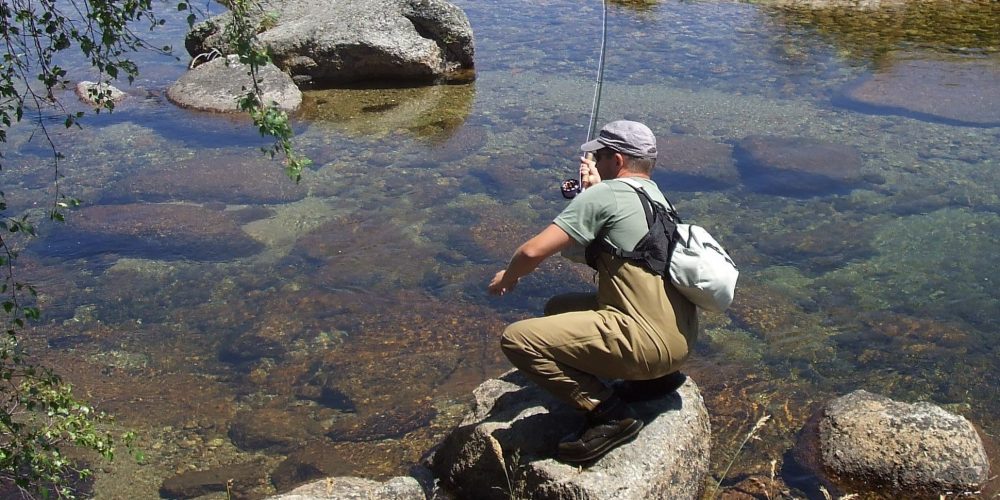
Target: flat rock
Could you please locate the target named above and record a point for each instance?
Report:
(155, 231)
(867, 442)
(515, 427)
(695, 164)
(240, 179)
(960, 91)
(218, 84)
(797, 166)
(360, 40)
(356, 488)
(88, 92)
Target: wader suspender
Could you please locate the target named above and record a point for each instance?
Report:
(653, 258)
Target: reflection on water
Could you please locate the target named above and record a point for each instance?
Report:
(432, 112)
(337, 327)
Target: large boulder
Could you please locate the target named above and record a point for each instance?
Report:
(867, 442)
(343, 42)
(218, 84)
(503, 449)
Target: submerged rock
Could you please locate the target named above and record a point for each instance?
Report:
(277, 430)
(192, 484)
(240, 179)
(504, 448)
(693, 163)
(158, 231)
(961, 91)
(342, 42)
(797, 166)
(218, 84)
(864, 441)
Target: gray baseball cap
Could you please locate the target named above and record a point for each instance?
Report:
(627, 137)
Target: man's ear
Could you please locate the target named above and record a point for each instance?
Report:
(619, 161)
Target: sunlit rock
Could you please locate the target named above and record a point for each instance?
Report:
(218, 85)
(340, 42)
(961, 91)
(158, 231)
(231, 179)
(864, 441)
(397, 488)
(693, 163)
(90, 92)
(797, 166)
(509, 439)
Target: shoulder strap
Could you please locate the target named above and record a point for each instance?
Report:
(647, 201)
(648, 204)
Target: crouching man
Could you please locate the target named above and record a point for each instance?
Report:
(637, 328)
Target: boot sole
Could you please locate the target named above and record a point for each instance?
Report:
(630, 433)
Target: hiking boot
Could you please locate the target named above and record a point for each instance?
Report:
(610, 424)
(648, 390)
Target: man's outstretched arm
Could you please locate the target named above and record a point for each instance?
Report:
(528, 256)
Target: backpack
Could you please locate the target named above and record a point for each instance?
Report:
(695, 262)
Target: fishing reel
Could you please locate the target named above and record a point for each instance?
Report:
(572, 187)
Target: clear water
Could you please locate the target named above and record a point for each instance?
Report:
(346, 318)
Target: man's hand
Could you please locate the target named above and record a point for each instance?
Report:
(588, 171)
(499, 286)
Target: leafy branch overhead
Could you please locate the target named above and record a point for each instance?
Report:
(39, 414)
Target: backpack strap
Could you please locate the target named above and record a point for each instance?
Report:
(647, 200)
(650, 207)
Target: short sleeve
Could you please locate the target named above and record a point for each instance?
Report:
(590, 211)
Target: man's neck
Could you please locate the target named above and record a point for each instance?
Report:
(626, 173)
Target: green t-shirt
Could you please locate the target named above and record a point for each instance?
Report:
(611, 208)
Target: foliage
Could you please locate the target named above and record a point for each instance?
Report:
(270, 120)
(39, 415)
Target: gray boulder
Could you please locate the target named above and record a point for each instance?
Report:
(343, 42)
(217, 84)
(348, 488)
(867, 442)
(503, 449)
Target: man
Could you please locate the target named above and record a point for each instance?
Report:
(637, 327)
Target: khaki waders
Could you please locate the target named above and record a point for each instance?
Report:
(634, 328)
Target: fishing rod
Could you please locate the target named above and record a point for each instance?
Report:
(572, 187)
